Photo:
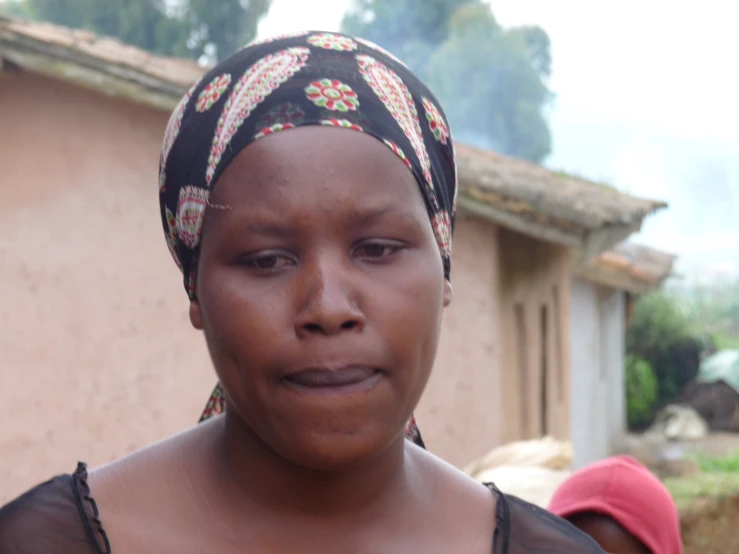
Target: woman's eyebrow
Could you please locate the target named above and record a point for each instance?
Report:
(266, 229)
(237, 222)
(368, 217)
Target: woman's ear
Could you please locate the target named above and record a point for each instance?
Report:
(447, 292)
(196, 315)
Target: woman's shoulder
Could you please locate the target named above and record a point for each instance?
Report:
(58, 516)
(62, 515)
(525, 528)
(453, 482)
(517, 527)
(458, 512)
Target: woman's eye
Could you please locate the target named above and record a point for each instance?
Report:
(375, 250)
(269, 262)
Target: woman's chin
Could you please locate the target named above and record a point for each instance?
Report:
(337, 451)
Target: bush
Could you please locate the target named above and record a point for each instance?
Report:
(657, 319)
(641, 392)
(661, 334)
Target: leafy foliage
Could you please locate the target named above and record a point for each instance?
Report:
(641, 392)
(187, 28)
(13, 8)
(409, 29)
(225, 25)
(715, 312)
(491, 81)
(661, 334)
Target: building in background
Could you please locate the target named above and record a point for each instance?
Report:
(602, 293)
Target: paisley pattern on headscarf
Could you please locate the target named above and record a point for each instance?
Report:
(273, 85)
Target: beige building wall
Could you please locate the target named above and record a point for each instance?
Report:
(96, 354)
(460, 412)
(535, 320)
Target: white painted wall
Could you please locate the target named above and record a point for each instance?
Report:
(598, 400)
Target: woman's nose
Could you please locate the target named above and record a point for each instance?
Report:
(330, 303)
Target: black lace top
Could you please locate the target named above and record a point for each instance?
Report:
(61, 517)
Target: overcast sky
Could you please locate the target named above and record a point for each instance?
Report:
(647, 100)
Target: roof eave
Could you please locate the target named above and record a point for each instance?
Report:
(88, 72)
(620, 280)
(586, 243)
(596, 241)
(637, 273)
(514, 222)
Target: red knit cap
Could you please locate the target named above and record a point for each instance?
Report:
(623, 489)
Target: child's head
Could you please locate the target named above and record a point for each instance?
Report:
(622, 506)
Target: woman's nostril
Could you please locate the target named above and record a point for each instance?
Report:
(317, 328)
(313, 327)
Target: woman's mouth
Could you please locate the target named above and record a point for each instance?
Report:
(343, 381)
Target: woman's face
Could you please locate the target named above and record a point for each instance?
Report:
(320, 293)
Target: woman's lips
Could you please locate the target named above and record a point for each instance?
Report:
(346, 380)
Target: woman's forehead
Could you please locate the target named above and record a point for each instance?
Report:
(303, 165)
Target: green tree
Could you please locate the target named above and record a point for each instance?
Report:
(14, 8)
(408, 28)
(641, 392)
(661, 334)
(189, 28)
(491, 81)
(486, 78)
(224, 25)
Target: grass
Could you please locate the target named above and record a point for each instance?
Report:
(724, 464)
(685, 490)
(726, 341)
(718, 477)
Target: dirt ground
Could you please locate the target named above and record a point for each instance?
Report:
(717, 444)
(673, 458)
(710, 526)
(708, 502)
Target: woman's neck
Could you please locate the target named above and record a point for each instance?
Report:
(251, 474)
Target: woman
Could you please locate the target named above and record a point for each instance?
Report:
(625, 508)
(307, 191)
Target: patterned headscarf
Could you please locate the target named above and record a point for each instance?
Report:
(308, 78)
